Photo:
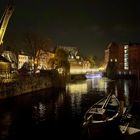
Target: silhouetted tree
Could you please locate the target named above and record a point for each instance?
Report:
(91, 61)
(35, 43)
(60, 61)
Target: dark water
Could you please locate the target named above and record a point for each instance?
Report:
(54, 114)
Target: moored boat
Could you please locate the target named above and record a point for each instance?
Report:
(93, 75)
(103, 114)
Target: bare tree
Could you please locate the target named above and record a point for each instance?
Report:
(34, 44)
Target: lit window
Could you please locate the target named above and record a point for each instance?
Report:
(126, 68)
(126, 47)
(126, 58)
(77, 57)
(126, 51)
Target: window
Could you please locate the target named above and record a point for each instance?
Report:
(126, 47)
(126, 58)
(125, 51)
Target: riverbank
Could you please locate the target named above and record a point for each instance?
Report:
(31, 83)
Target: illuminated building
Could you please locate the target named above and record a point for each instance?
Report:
(22, 58)
(77, 63)
(43, 58)
(125, 57)
(11, 57)
(5, 67)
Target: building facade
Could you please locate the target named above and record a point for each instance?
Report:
(124, 58)
(43, 59)
(77, 63)
(22, 59)
(5, 67)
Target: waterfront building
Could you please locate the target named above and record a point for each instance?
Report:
(43, 58)
(123, 57)
(11, 57)
(22, 59)
(5, 67)
(78, 64)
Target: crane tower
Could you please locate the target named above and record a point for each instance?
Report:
(4, 21)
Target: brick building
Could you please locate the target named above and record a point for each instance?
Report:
(123, 57)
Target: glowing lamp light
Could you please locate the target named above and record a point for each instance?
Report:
(77, 57)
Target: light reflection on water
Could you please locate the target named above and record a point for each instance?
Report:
(81, 87)
(126, 92)
(39, 111)
(99, 83)
(49, 113)
(75, 88)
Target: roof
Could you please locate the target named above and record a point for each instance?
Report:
(3, 59)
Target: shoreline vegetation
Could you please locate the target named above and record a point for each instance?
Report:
(30, 83)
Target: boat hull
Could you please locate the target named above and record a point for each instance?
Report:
(103, 128)
(103, 116)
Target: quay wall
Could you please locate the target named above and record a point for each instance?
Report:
(29, 84)
(77, 77)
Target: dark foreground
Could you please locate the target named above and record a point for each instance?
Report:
(54, 114)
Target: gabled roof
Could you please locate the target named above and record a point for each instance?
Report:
(3, 59)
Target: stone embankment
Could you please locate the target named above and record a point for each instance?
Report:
(29, 84)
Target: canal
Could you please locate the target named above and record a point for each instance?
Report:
(57, 114)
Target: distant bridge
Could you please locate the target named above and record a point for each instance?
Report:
(85, 71)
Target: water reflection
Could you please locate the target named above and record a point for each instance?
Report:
(99, 84)
(52, 113)
(77, 87)
(126, 92)
(5, 123)
(122, 88)
(39, 111)
(80, 89)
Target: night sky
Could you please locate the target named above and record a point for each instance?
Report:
(89, 25)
